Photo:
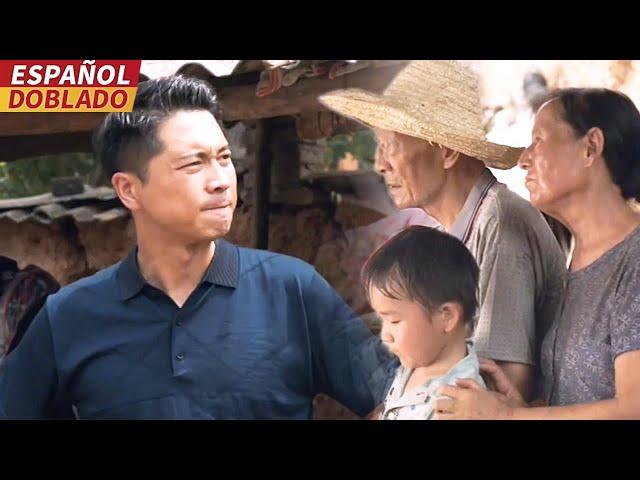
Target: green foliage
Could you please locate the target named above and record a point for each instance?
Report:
(361, 144)
(32, 176)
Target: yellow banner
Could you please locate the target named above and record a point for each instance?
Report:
(69, 99)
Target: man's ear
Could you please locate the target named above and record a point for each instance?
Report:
(449, 157)
(127, 187)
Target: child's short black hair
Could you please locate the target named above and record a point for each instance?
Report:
(427, 266)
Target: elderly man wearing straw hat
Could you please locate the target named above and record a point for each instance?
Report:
(433, 154)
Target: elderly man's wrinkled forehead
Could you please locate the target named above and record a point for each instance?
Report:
(384, 136)
(392, 140)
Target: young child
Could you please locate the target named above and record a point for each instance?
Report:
(422, 283)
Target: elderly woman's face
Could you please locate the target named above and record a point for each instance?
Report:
(554, 173)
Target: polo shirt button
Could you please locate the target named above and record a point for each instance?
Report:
(178, 323)
(180, 357)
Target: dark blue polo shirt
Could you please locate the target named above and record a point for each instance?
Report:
(260, 336)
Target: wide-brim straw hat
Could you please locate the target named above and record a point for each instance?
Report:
(436, 100)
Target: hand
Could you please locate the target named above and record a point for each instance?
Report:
(497, 380)
(469, 401)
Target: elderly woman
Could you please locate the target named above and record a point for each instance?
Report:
(583, 166)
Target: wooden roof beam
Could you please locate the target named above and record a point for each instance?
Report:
(241, 103)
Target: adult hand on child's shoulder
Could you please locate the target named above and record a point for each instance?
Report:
(498, 381)
(468, 400)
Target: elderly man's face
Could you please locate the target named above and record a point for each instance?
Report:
(413, 170)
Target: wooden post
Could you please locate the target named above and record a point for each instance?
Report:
(261, 191)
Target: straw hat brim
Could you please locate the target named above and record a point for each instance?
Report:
(376, 111)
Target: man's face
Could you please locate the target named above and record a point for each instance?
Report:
(413, 170)
(190, 188)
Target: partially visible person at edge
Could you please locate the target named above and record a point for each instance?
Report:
(433, 154)
(583, 166)
(189, 326)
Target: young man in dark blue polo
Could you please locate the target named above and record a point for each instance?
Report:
(189, 326)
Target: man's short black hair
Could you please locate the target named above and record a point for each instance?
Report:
(427, 266)
(126, 141)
